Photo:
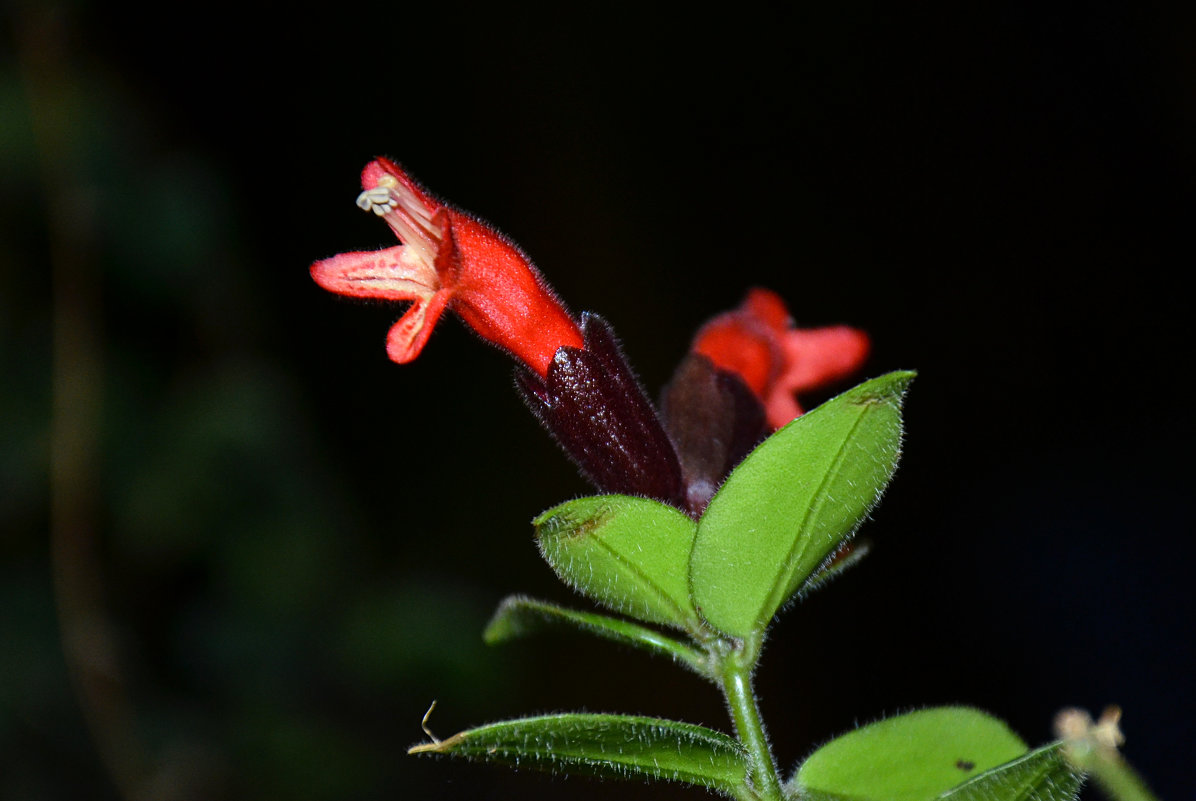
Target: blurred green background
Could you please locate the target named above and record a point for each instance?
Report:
(263, 549)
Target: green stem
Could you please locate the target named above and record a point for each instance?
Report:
(736, 680)
(1114, 775)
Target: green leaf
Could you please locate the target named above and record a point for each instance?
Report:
(518, 616)
(631, 554)
(791, 502)
(1041, 775)
(913, 757)
(616, 746)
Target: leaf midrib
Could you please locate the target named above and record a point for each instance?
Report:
(713, 743)
(772, 601)
(682, 614)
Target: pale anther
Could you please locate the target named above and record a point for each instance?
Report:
(378, 200)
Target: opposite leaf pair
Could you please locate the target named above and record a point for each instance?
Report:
(769, 532)
(778, 517)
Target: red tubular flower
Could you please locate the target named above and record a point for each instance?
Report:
(736, 385)
(758, 343)
(573, 377)
(448, 259)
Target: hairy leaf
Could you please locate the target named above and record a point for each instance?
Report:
(793, 501)
(1041, 775)
(616, 746)
(912, 757)
(518, 616)
(631, 554)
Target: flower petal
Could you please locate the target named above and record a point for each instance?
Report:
(408, 336)
(817, 356)
(390, 274)
(759, 343)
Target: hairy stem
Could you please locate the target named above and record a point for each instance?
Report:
(1114, 775)
(736, 682)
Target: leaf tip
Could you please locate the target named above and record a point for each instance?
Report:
(502, 626)
(885, 388)
(496, 632)
(444, 746)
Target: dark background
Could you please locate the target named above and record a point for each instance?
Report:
(279, 547)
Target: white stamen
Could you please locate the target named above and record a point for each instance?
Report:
(378, 200)
(411, 203)
(408, 216)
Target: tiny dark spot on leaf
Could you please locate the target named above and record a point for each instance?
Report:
(964, 764)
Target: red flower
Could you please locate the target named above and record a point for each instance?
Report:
(758, 343)
(448, 259)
